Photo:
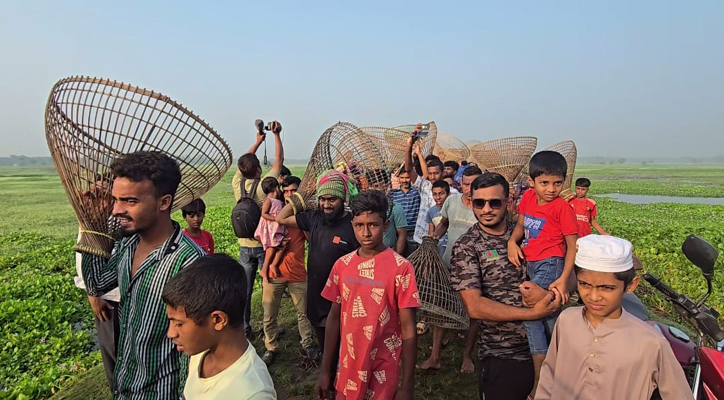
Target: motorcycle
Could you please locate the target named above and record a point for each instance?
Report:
(702, 359)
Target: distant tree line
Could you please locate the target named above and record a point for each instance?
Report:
(25, 161)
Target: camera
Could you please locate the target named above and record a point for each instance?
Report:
(422, 130)
(268, 127)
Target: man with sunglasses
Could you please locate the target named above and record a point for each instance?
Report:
(457, 218)
(489, 285)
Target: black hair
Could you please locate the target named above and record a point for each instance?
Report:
(452, 164)
(583, 182)
(285, 171)
(269, 184)
(490, 179)
(547, 162)
(291, 180)
(432, 157)
(435, 163)
(625, 276)
(371, 201)
(160, 169)
(195, 206)
(249, 165)
(442, 184)
(464, 163)
(215, 282)
(472, 171)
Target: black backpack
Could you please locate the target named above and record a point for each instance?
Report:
(246, 213)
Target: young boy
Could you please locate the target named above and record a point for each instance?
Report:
(374, 296)
(549, 227)
(205, 307)
(440, 193)
(585, 209)
(600, 351)
(194, 213)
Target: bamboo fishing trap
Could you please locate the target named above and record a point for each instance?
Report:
(450, 148)
(568, 150)
(347, 149)
(89, 122)
(506, 156)
(441, 305)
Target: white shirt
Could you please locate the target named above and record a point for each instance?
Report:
(246, 379)
(426, 201)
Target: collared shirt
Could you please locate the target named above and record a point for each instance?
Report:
(621, 358)
(410, 203)
(480, 262)
(148, 366)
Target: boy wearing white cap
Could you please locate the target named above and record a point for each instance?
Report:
(600, 351)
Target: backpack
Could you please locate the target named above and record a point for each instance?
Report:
(246, 213)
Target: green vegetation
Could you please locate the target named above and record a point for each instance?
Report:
(663, 180)
(46, 326)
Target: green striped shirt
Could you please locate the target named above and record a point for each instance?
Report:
(148, 366)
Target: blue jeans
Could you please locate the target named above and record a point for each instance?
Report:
(542, 273)
(252, 259)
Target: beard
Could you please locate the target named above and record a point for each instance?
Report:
(331, 219)
(497, 222)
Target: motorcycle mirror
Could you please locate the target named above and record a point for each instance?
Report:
(701, 253)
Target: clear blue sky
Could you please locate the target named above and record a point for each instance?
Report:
(621, 78)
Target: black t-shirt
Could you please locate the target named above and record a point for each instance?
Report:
(327, 243)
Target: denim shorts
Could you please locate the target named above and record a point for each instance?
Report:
(542, 273)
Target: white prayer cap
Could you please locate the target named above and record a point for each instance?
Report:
(604, 253)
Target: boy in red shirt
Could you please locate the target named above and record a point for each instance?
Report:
(548, 225)
(585, 209)
(194, 213)
(374, 296)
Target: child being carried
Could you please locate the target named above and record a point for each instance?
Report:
(269, 232)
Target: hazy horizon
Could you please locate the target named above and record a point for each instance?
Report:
(643, 79)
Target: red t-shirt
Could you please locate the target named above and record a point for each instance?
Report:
(371, 293)
(585, 210)
(545, 226)
(205, 241)
(292, 266)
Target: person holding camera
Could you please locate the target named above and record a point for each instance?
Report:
(246, 184)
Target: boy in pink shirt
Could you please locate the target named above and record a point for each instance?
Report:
(548, 226)
(374, 296)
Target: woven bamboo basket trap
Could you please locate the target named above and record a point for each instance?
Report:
(568, 150)
(441, 305)
(347, 149)
(506, 156)
(450, 148)
(89, 122)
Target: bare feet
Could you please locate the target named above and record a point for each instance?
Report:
(468, 366)
(430, 365)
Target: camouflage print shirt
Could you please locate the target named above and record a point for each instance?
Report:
(480, 261)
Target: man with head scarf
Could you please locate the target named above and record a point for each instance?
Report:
(330, 237)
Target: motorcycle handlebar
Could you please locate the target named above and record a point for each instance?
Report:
(661, 286)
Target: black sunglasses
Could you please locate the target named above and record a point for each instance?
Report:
(494, 203)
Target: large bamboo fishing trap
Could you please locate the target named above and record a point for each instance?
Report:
(506, 156)
(392, 142)
(441, 305)
(89, 122)
(347, 149)
(568, 150)
(450, 148)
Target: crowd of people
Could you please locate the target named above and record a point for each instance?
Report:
(173, 317)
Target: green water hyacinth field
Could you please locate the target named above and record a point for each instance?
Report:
(47, 345)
